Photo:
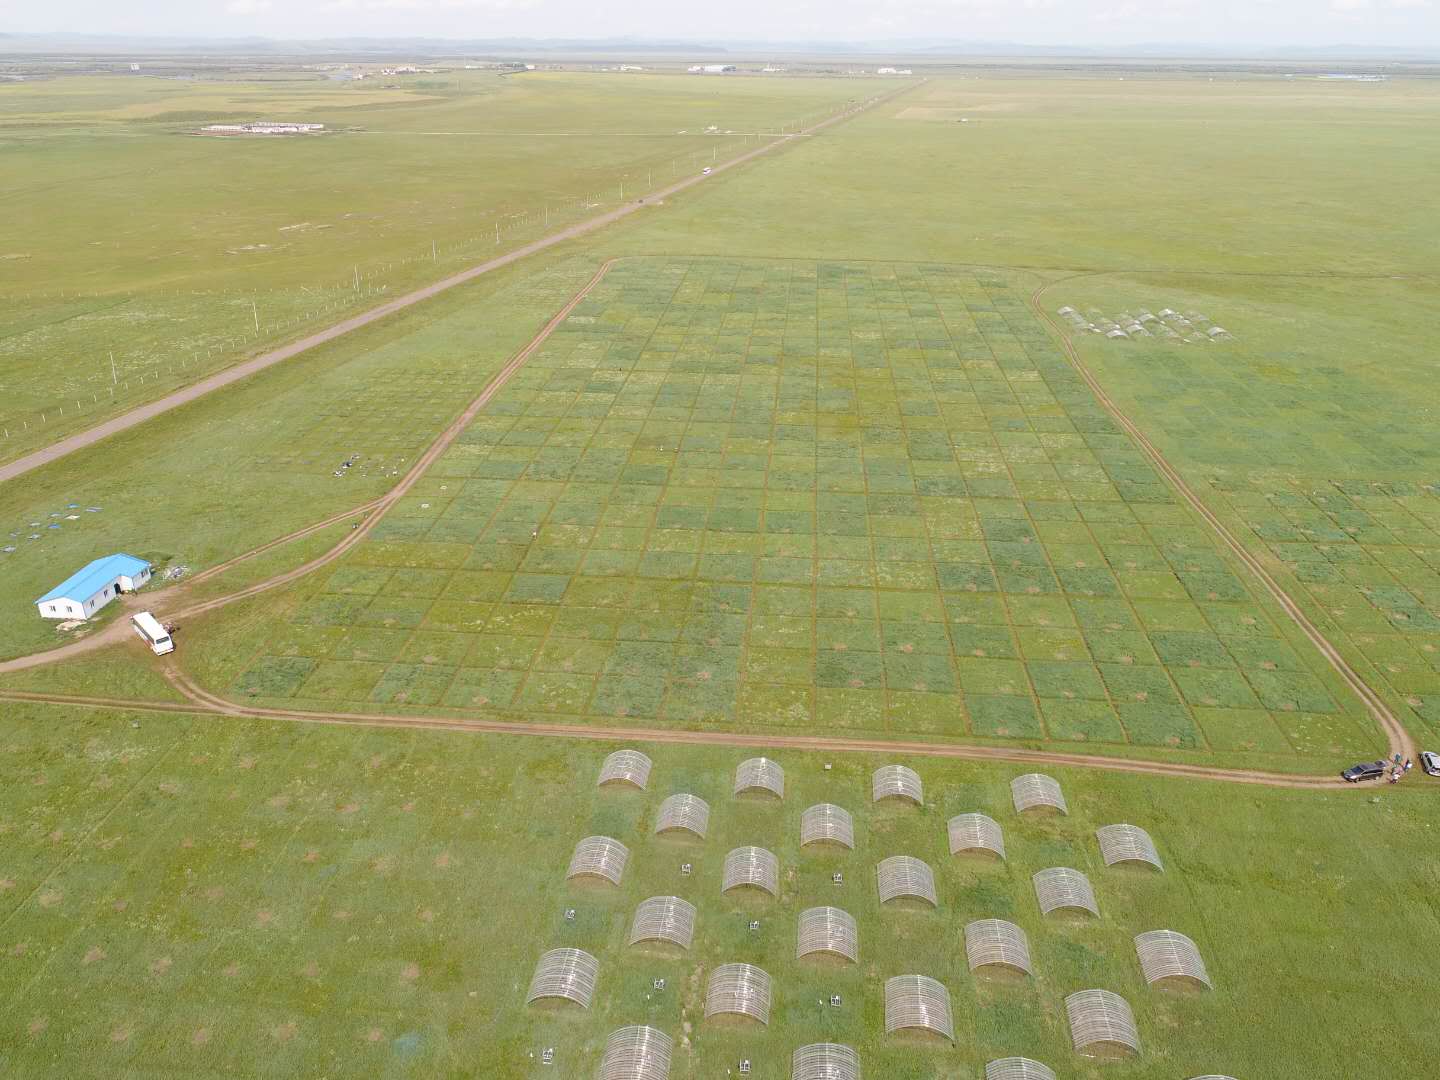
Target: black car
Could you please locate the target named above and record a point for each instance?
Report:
(1430, 762)
(1368, 770)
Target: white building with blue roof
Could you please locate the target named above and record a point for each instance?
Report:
(93, 586)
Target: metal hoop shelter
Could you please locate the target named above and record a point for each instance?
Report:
(827, 930)
(826, 823)
(760, 774)
(599, 856)
(663, 918)
(751, 866)
(997, 943)
(1061, 888)
(1101, 1022)
(976, 832)
(565, 973)
(740, 990)
(683, 813)
(897, 782)
(625, 767)
(1018, 1068)
(1035, 791)
(903, 876)
(1127, 843)
(636, 1053)
(825, 1061)
(916, 1001)
(1168, 954)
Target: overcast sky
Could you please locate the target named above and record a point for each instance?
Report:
(1413, 23)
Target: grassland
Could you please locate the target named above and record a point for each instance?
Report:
(779, 496)
(724, 466)
(178, 254)
(1241, 175)
(194, 897)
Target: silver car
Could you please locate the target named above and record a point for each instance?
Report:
(1430, 762)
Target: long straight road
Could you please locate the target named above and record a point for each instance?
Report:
(185, 395)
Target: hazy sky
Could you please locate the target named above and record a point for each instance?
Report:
(1091, 22)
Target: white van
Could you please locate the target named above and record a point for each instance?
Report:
(152, 633)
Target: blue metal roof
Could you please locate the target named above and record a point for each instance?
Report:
(91, 578)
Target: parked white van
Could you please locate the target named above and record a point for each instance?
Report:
(152, 633)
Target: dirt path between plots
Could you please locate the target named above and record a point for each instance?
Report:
(203, 702)
(1396, 735)
(125, 421)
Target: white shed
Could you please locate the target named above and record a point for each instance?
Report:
(93, 586)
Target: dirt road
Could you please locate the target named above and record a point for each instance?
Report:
(203, 702)
(185, 395)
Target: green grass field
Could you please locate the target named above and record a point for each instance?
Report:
(806, 462)
(195, 896)
(180, 254)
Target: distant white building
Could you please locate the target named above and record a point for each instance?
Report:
(264, 127)
(711, 69)
(93, 586)
(631, 67)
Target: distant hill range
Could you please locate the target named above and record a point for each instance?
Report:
(917, 48)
